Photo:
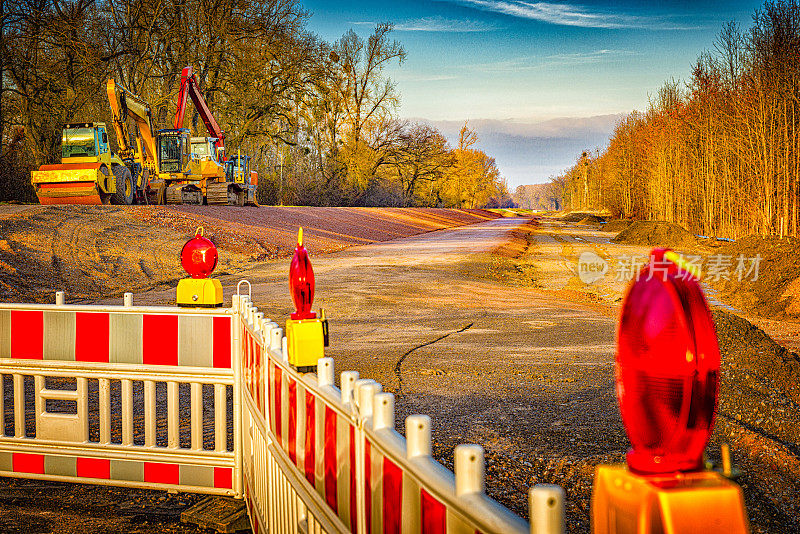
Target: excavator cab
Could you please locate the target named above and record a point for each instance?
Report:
(205, 149)
(173, 150)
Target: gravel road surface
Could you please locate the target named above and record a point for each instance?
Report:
(487, 329)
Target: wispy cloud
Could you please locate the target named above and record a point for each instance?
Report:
(421, 77)
(569, 15)
(585, 58)
(530, 63)
(438, 24)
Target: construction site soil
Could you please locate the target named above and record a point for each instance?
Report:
(93, 252)
(776, 291)
(507, 349)
(656, 234)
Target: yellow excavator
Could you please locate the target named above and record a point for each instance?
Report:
(140, 159)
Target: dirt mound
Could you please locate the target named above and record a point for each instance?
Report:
(656, 234)
(775, 292)
(759, 393)
(617, 225)
(326, 229)
(581, 217)
(93, 252)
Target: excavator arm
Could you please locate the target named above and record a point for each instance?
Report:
(125, 104)
(190, 87)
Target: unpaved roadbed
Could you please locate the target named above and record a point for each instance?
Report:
(487, 329)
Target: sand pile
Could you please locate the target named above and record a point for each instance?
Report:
(617, 225)
(775, 292)
(582, 217)
(656, 234)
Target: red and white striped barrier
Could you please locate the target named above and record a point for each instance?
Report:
(307, 456)
(146, 369)
(334, 462)
(177, 336)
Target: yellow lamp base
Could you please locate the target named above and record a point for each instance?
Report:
(703, 502)
(199, 293)
(306, 344)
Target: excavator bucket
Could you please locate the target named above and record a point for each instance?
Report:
(68, 183)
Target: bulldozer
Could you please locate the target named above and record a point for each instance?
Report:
(223, 180)
(89, 173)
(241, 183)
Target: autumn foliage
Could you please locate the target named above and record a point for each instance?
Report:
(319, 118)
(719, 154)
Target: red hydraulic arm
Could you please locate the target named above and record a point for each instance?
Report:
(190, 87)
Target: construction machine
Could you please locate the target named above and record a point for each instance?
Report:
(224, 181)
(171, 172)
(89, 173)
(242, 181)
(139, 158)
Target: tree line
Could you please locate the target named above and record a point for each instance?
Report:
(319, 118)
(719, 153)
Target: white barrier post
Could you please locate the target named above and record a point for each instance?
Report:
(276, 342)
(325, 372)
(59, 298)
(469, 468)
(347, 382)
(418, 435)
(383, 411)
(127, 300)
(366, 388)
(546, 505)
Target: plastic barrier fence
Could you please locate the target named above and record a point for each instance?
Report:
(317, 458)
(119, 395)
(205, 401)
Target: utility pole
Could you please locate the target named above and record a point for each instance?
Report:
(585, 181)
(280, 188)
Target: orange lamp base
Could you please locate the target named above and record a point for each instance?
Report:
(703, 502)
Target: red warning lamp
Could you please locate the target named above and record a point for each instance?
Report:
(199, 256)
(667, 368)
(301, 281)
(667, 385)
(306, 335)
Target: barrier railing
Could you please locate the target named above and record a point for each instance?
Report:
(206, 401)
(119, 395)
(333, 461)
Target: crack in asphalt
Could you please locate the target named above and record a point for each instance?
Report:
(397, 370)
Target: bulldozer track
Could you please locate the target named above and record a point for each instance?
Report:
(220, 194)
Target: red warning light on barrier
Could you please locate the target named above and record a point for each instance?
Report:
(667, 368)
(199, 255)
(301, 281)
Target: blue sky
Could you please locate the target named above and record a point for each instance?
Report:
(528, 61)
